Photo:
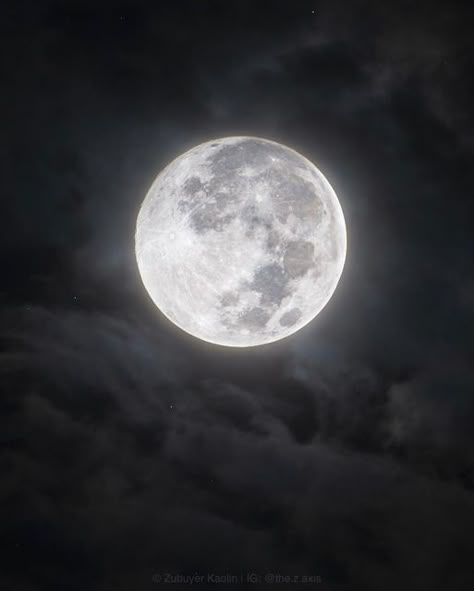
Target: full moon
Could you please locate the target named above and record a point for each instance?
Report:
(240, 241)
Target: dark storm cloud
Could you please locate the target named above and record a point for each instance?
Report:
(115, 471)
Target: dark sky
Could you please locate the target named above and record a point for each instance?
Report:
(129, 449)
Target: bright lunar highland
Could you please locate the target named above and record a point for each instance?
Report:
(241, 241)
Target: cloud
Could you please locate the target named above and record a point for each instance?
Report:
(120, 465)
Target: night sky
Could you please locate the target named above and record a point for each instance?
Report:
(128, 448)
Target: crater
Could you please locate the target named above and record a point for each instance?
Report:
(278, 152)
(291, 317)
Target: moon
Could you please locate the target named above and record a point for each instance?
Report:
(240, 241)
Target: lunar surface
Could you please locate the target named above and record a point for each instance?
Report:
(241, 241)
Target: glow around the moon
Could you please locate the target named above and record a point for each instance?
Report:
(240, 241)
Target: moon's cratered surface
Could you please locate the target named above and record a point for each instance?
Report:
(240, 241)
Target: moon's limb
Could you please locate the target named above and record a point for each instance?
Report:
(241, 241)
